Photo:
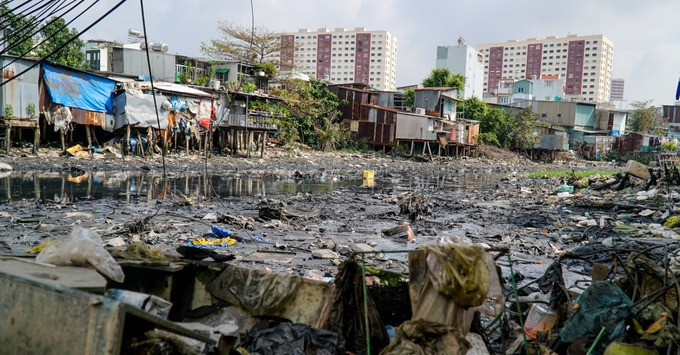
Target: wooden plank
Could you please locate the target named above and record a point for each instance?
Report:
(81, 278)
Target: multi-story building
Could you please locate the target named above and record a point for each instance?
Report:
(466, 61)
(343, 56)
(584, 62)
(617, 90)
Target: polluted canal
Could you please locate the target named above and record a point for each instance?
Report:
(449, 256)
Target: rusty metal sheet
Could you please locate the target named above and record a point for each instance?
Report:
(21, 92)
(87, 117)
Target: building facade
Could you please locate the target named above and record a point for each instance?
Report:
(466, 61)
(343, 56)
(584, 62)
(617, 90)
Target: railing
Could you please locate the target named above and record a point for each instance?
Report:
(254, 120)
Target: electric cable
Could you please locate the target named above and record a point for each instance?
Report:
(39, 28)
(54, 34)
(153, 91)
(60, 47)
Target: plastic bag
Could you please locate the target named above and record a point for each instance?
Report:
(82, 246)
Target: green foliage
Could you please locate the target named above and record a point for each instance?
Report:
(9, 111)
(669, 147)
(30, 110)
(249, 87)
(409, 97)
(185, 76)
(312, 108)
(72, 54)
(442, 77)
(356, 146)
(488, 138)
(643, 158)
(523, 132)
(16, 30)
(204, 80)
(646, 118)
(508, 130)
(268, 68)
(331, 135)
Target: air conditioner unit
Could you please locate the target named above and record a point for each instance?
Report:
(420, 111)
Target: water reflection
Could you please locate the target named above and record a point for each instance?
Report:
(68, 186)
(64, 186)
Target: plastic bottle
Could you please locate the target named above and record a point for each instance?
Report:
(541, 318)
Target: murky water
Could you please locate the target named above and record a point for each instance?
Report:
(63, 186)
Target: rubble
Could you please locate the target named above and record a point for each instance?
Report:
(447, 256)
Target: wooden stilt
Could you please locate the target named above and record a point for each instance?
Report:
(412, 144)
(150, 140)
(8, 140)
(89, 137)
(249, 144)
(36, 139)
(62, 137)
(264, 140)
(126, 145)
(140, 146)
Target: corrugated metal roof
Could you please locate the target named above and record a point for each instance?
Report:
(179, 89)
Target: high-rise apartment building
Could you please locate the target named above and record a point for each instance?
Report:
(343, 56)
(584, 62)
(466, 61)
(617, 90)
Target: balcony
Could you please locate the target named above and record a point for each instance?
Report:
(257, 120)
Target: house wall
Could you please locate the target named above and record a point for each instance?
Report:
(22, 91)
(556, 112)
(414, 127)
(584, 116)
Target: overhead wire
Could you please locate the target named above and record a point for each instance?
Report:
(60, 47)
(153, 91)
(37, 28)
(54, 34)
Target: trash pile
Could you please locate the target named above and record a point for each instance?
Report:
(583, 266)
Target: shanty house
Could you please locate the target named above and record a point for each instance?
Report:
(20, 97)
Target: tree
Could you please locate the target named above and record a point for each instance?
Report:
(17, 30)
(442, 77)
(71, 55)
(312, 109)
(523, 133)
(246, 45)
(409, 97)
(646, 118)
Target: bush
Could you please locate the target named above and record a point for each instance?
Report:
(488, 138)
(669, 147)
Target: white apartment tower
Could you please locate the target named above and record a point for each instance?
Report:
(584, 62)
(466, 61)
(344, 56)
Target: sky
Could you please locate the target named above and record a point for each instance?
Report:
(646, 34)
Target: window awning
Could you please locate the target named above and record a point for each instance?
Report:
(221, 70)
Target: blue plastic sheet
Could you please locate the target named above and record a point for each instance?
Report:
(73, 88)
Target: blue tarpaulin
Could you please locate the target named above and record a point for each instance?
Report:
(73, 88)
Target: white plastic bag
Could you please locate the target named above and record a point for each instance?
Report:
(81, 247)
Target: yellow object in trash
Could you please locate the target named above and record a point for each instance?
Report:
(368, 174)
(369, 182)
(73, 150)
(672, 222)
(213, 241)
(38, 248)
